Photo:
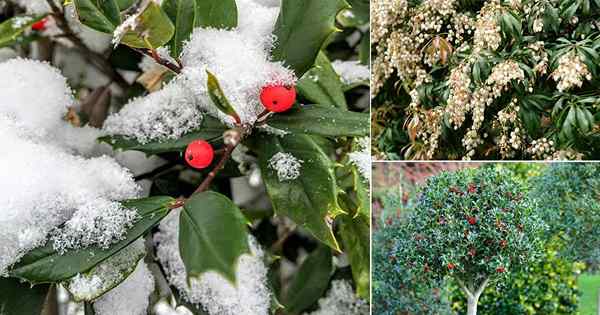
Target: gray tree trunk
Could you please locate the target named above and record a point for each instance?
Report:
(472, 305)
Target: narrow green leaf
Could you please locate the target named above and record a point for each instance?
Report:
(12, 29)
(310, 281)
(216, 13)
(182, 14)
(311, 199)
(44, 264)
(324, 121)
(19, 298)
(125, 4)
(355, 236)
(210, 130)
(218, 96)
(365, 49)
(153, 29)
(101, 15)
(301, 29)
(322, 85)
(212, 235)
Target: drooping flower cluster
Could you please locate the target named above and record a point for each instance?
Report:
(571, 72)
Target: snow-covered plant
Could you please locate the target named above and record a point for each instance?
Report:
(198, 154)
(486, 79)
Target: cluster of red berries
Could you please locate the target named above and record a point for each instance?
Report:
(275, 98)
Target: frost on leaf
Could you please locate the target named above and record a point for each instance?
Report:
(286, 166)
(341, 300)
(162, 115)
(361, 157)
(212, 291)
(107, 274)
(351, 72)
(43, 183)
(131, 297)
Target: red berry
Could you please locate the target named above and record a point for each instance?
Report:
(472, 220)
(199, 154)
(500, 269)
(472, 188)
(278, 98)
(39, 25)
(450, 266)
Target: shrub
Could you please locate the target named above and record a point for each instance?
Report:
(491, 79)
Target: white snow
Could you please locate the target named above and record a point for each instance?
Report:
(216, 294)
(285, 165)
(34, 6)
(131, 297)
(166, 114)
(341, 300)
(361, 158)
(351, 71)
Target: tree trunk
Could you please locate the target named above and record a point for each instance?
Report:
(472, 305)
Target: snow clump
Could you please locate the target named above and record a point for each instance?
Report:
(286, 166)
(341, 300)
(351, 72)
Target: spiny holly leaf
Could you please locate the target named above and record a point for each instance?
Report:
(11, 29)
(153, 29)
(322, 85)
(311, 199)
(182, 14)
(218, 97)
(310, 281)
(216, 13)
(103, 16)
(302, 28)
(322, 120)
(212, 235)
(357, 15)
(355, 236)
(45, 265)
(210, 130)
(19, 298)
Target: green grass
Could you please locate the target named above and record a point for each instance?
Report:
(589, 286)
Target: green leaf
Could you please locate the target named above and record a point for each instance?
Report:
(310, 282)
(216, 13)
(11, 29)
(355, 236)
(212, 235)
(365, 49)
(153, 29)
(301, 29)
(19, 298)
(125, 4)
(218, 96)
(210, 130)
(356, 15)
(311, 199)
(111, 273)
(182, 14)
(44, 264)
(101, 15)
(322, 85)
(324, 121)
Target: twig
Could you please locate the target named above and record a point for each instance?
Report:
(163, 62)
(96, 59)
(209, 178)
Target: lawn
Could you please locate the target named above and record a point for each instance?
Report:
(589, 285)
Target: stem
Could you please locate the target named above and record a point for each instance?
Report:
(209, 178)
(163, 62)
(97, 60)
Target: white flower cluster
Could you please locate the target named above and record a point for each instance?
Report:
(341, 300)
(487, 31)
(286, 166)
(251, 295)
(43, 183)
(511, 133)
(541, 149)
(571, 71)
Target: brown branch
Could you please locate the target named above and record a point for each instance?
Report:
(96, 59)
(163, 62)
(212, 174)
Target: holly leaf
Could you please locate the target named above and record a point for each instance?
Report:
(182, 14)
(18, 298)
(45, 265)
(12, 29)
(301, 29)
(309, 200)
(322, 120)
(322, 85)
(355, 236)
(103, 16)
(153, 28)
(210, 130)
(218, 96)
(310, 281)
(216, 13)
(212, 235)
